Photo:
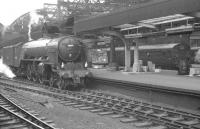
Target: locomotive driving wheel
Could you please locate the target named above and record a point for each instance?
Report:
(41, 79)
(52, 80)
(69, 84)
(34, 78)
(61, 84)
(82, 82)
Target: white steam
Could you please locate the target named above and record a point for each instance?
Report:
(5, 70)
(3, 30)
(34, 19)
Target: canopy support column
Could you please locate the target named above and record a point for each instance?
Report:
(127, 47)
(127, 57)
(112, 61)
(136, 58)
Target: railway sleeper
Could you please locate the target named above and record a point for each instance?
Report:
(147, 112)
(189, 122)
(78, 106)
(196, 126)
(16, 126)
(6, 118)
(129, 120)
(117, 116)
(64, 102)
(90, 101)
(106, 113)
(42, 118)
(174, 126)
(142, 112)
(127, 109)
(143, 123)
(170, 116)
(158, 127)
(96, 110)
(2, 114)
(117, 109)
(48, 121)
(71, 104)
(9, 122)
(86, 108)
(159, 115)
(171, 119)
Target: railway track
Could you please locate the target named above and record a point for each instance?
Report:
(142, 114)
(153, 93)
(13, 116)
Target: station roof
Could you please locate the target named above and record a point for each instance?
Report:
(151, 23)
(165, 10)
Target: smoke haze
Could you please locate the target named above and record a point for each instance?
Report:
(5, 70)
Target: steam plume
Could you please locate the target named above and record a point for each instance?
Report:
(5, 70)
(4, 29)
(34, 19)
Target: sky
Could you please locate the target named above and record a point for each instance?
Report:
(12, 9)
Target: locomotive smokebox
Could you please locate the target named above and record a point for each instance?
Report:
(69, 49)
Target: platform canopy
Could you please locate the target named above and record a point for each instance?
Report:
(151, 23)
(145, 14)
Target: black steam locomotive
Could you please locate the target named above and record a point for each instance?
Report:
(57, 61)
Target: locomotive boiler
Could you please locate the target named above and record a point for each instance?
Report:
(58, 61)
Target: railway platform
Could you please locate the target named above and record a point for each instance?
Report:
(165, 86)
(166, 79)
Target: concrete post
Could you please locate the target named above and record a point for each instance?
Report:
(127, 57)
(112, 64)
(112, 51)
(136, 58)
(127, 49)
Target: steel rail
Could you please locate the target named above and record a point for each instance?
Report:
(143, 112)
(13, 109)
(21, 119)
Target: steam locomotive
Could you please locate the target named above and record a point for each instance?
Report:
(57, 61)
